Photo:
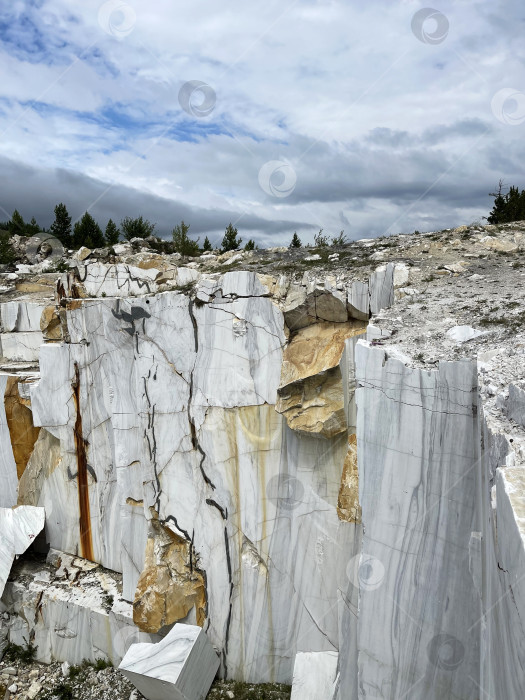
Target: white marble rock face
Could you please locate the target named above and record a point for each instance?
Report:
(181, 666)
(314, 676)
(419, 467)
(18, 529)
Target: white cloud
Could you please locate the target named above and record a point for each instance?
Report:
(369, 116)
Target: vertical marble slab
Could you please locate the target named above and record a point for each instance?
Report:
(419, 470)
(8, 473)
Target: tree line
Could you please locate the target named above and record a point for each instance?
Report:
(508, 206)
(87, 232)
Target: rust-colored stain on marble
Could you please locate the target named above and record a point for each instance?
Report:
(86, 542)
(20, 423)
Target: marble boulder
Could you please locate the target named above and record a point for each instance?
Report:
(181, 666)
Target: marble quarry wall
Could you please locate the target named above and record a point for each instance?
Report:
(241, 454)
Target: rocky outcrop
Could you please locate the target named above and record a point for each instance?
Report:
(232, 453)
(311, 394)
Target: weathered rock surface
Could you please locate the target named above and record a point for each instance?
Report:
(228, 443)
(18, 530)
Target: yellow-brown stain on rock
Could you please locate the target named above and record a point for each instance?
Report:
(316, 348)
(45, 458)
(20, 423)
(50, 323)
(311, 395)
(170, 584)
(348, 506)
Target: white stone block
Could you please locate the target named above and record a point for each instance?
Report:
(314, 675)
(181, 666)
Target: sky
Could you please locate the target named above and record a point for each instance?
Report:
(278, 116)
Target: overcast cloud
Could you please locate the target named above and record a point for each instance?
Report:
(373, 119)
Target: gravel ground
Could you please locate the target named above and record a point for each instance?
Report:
(23, 680)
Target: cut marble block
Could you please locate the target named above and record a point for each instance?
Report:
(21, 315)
(22, 346)
(18, 529)
(181, 666)
(419, 471)
(381, 285)
(314, 676)
(80, 614)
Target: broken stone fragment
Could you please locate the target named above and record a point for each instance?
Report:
(50, 324)
(500, 245)
(311, 395)
(302, 309)
(18, 529)
(181, 666)
(170, 585)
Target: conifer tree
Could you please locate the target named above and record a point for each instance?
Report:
(17, 224)
(230, 240)
(295, 242)
(136, 228)
(182, 243)
(61, 226)
(206, 246)
(112, 233)
(87, 232)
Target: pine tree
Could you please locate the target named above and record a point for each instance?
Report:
(230, 240)
(182, 243)
(250, 245)
(7, 254)
(61, 226)
(112, 233)
(206, 246)
(136, 228)
(295, 242)
(32, 227)
(87, 232)
(507, 207)
(17, 224)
